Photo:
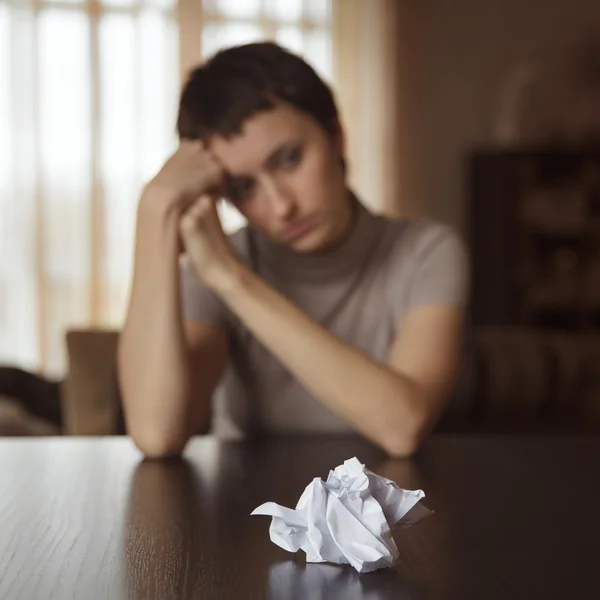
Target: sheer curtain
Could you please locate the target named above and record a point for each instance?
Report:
(369, 61)
(88, 99)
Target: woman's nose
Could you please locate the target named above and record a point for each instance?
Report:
(281, 199)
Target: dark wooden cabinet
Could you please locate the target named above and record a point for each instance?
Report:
(534, 235)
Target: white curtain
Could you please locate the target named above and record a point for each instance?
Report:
(368, 68)
(88, 99)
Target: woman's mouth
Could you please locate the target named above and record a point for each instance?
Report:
(297, 229)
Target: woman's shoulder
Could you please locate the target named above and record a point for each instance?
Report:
(429, 259)
(421, 232)
(413, 239)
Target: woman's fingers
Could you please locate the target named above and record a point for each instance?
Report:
(196, 215)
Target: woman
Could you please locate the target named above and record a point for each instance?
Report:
(317, 317)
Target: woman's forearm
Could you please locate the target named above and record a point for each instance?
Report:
(378, 401)
(152, 358)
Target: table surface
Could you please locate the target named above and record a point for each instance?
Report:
(515, 517)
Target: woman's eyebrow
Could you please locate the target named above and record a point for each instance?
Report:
(270, 162)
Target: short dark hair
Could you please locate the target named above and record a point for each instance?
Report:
(238, 82)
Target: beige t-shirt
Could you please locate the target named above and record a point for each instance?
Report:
(360, 292)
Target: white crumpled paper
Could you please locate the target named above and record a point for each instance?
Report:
(346, 519)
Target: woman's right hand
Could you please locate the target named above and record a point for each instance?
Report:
(189, 173)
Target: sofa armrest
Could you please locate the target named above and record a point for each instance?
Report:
(90, 396)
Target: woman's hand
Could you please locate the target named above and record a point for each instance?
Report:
(190, 172)
(207, 246)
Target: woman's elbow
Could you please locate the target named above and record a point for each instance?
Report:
(406, 434)
(400, 446)
(157, 446)
(404, 442)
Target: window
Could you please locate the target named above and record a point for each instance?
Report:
(301, 26)
(88, 99)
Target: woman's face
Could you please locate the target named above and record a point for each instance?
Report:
(284, 174)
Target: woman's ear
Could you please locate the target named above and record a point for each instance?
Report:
(338, 137)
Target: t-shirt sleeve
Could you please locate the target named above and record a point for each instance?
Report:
(440, 272)
(198, 303)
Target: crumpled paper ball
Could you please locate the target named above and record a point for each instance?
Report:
(346, 519)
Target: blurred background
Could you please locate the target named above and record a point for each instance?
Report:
(484, 114)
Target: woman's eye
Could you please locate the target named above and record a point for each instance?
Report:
(290, 157)
(241, 191)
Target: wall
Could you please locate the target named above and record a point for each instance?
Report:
(453, 55)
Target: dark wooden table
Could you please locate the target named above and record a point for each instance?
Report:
(515, 517)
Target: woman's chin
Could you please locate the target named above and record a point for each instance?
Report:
(313, 242)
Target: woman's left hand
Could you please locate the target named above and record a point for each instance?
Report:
(207, 246)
